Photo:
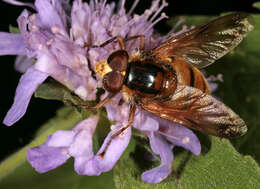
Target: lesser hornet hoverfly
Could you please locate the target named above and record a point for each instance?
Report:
(167, 82)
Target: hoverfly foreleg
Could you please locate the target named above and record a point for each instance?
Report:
(99, 105)
(118, 38)
(142, 40)
(121, 42)
(130, 121)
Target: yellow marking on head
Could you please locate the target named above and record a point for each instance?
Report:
(123, 73)
(102, 68)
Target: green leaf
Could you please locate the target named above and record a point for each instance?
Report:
(52, 90)
(256, 5)
(220, 167)
(241, 87)
(13, 29)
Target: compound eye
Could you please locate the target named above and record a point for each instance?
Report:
(113, 81)
(118, 60)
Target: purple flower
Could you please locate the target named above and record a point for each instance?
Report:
(58, 36)
(46, 37)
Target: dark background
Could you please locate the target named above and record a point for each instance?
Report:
(39, 110)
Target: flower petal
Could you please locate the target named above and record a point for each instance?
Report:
(114, 150)
(84, 86)
(163, 149)
(85, 166)
(22, 63)
(12, 44)
(61, 138)
(81, 16)
(49, 16)
(44, 158)
(104, 163)
(114, 111)
(180, 136)
(14, 2)
(82, 144)
(144, 122)
(24, 91)
(81, 148)
(63, 144)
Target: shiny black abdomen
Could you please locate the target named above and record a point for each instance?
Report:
(143, 77)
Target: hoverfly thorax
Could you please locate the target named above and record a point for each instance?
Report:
(149, 79)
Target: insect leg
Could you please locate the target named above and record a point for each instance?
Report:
(118, 38)
(121, 42)
(130, 121)
(99, 105)
(142, 40)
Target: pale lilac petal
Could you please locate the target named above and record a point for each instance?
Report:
(213, 81)
(83, 86)
(85, 166)
(180, 136)
(47, 64)
(61, 138)
(81, 148)
(63, 144)
(144, 122)
(44, 158)
(97, 164)
(24, 91)
(49, 16)
(88, 124)
(63, 8)
(113, 109)
(12, 44)
(14, 2)
(213, 87)
(114, 150)
(117, 112)
(156, 175)
(23, 21)
(82, 144)
(81, 19)
(163, 149)
(22, 63)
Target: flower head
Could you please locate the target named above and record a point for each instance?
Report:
(59, 36)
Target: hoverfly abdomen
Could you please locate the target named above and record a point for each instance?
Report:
(145, 78)
(190, 76)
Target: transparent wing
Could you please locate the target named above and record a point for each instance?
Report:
(203, 45)
(193, 108)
